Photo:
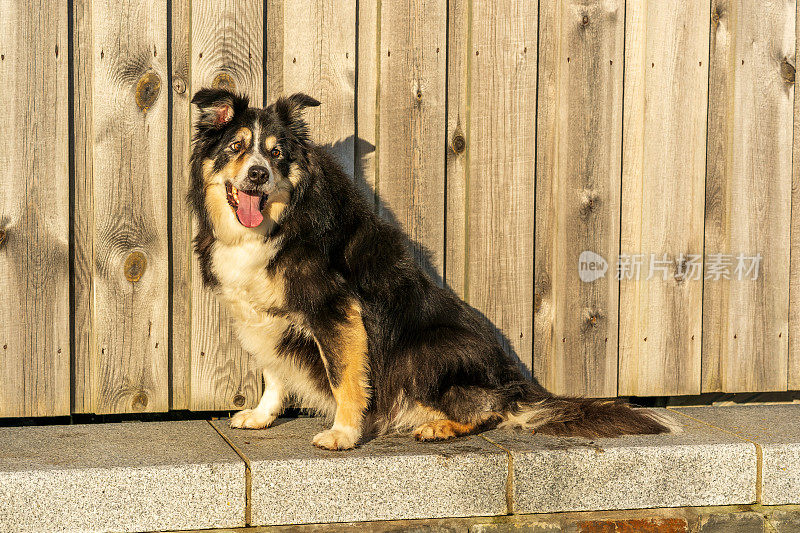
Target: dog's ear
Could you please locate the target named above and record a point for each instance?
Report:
(302, 100)
(218, 107)
(290, 108)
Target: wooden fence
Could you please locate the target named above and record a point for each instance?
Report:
(506, 136)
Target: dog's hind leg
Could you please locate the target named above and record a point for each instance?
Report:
(344, 352)
(443, 430)
(462, 411)
(268, 409)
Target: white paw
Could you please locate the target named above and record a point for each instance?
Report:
(337, 439)
(252, 419)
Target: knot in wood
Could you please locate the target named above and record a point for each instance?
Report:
(416, 93)
(223, 80)
(134, 267)
(589, 202)
(585, 20)
(178, 85)
(147, 90)
(239, 400)
(2, 237)
(537, 302)
(139, 401)
(459, 144)
(591, 318)
(787, 71)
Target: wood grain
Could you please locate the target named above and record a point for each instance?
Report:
(319, 59)
(663, 170)
(578, 146)
(497, 182)
(458, 127)
(273, 44)
(180, 219)
(82, 215)
(411, 165)
(794, 272)
(227, 50)
(748, 194)
(130, 255)
(367, 97)
(34, 211)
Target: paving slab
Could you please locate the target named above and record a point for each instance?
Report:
(776, 429)
(389, 478)
(700, 466)
(119, 477)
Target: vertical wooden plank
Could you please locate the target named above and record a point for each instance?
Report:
(319, 58)
(497, 181)
(794, 272)
(82, 216)
(180, 228)
(34, 210)
(273, 44)
(579, 138)
(458, 71)
(367, 96)
(410, 179)
(748, 191)
(663, 170)
(227, 50)
(129, 158)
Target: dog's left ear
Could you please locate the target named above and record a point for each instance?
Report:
(290, 108)
(218, 107)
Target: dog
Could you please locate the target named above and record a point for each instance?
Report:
(328, 299)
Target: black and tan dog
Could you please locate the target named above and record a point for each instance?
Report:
(328, 299)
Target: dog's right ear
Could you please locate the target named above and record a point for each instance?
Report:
(217, 107)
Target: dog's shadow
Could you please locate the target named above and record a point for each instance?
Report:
(352, 153)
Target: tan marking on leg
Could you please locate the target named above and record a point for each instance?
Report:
(442, 430)
(352, 391)
(405, 415)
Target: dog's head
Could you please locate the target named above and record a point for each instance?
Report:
(247, 156)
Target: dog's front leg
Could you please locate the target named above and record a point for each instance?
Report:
(343, 348)
(268, 409)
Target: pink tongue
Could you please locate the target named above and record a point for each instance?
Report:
(249, 212)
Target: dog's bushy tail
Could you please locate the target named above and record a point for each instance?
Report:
(585, 417)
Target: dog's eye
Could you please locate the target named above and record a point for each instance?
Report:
(275, 152)
(235, 146)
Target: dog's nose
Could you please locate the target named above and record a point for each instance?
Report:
(258, 174)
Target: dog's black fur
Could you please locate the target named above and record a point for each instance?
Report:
(426, 348)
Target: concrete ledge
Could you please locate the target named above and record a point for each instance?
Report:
(119, 477)
(699, 467)
(393, 477)
(185, 475)
(776, 430)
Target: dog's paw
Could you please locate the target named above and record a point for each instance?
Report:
(437, 430)
(336, 439)
(252, 419)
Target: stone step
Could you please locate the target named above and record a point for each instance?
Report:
(119, 477)
(388, 478)
(200, 475)
(775, 431)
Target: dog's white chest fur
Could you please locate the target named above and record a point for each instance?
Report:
(251, 296)
(249, 293)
